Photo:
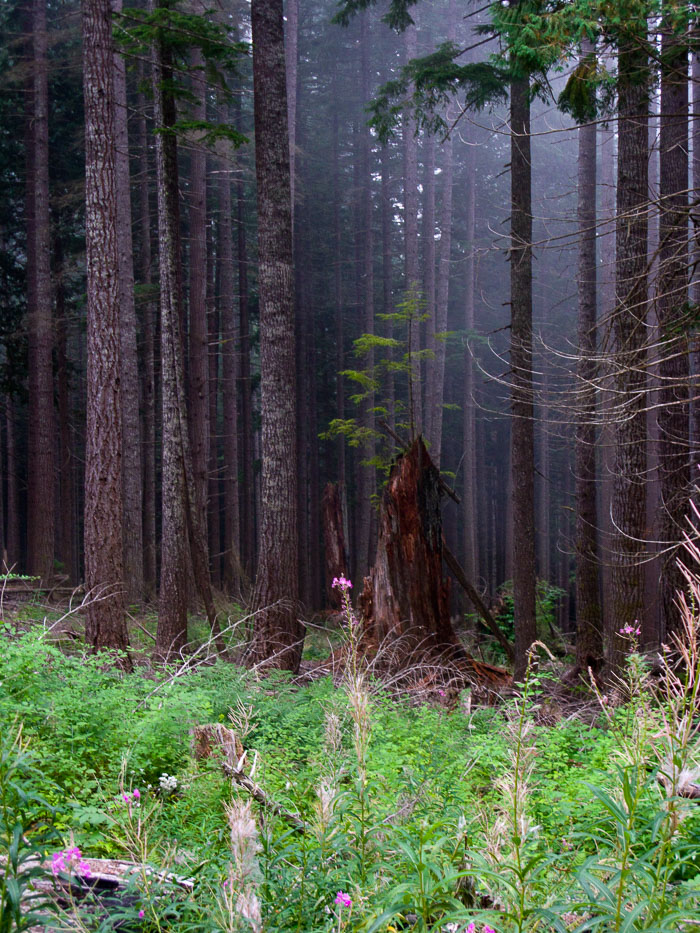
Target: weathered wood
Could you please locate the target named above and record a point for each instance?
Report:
(334, 540)
(405, 597)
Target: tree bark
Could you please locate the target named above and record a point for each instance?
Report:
(629, 330)
(589, 635)
(410, 207)
(405, 597)
(522, 407)
(335, 541)
(41, 441)
(104, 568)
(131, 424)
(672, 302)
(278, 634)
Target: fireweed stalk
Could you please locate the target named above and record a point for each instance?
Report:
(239, 907)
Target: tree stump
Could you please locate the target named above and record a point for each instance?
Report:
(335, 541)
(404, 601)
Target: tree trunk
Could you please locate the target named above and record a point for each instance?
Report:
(629, 332)
(171, 635)
(104, 568)
(67, 529)
(522, 423)
(672, 303)
(278, 635)
(410, 208)
(198, 358)
(405, 597)
(232, 580)
(131, 424)
(335, 541)
(148, 391)
(470, 503)
(589, 635)
(41, 442)
(13, 536)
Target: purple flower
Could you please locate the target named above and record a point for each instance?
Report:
(137, 794)
(341, 583)
(441, 693)
(343, 899)
(471, 928)
(631, 629)
(142, 914)
(488, 929)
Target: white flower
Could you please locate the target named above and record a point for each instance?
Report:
(168, 782)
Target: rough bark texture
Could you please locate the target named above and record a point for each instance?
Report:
(198, 357)
(629, 330)
(171, 635)
(589, 637)
(672, 417)
(412, 282)
(405, 598)
(229, 330)
(41, 440)
(335, 541)
(278, 635)
(131, 423)
(67, 543)
(104, 569)
(13, 539)
(469, 497)
(522, 432)
(148, 380)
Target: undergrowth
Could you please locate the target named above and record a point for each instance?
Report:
(436, 816)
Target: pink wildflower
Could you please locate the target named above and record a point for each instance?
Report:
(137, 794)
(631, 629)
(343, 899)
(471, 928)
(142, 914)
(488, 929)
(441, 693)
(341, 583)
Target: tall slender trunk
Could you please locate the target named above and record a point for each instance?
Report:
(589, 636)
(338, 287)
(430, 401)
(522, 407)
(13, 535)
(104, 567)
(365, 232)
(249, 498)
(131, 423)
(171, 635)
(198, 358)
(410, 208)
(66, 530)
(40, 505)
(278, 635)
(470, 507)
(148, 390)
(215, 435)
(291, 54)
(671, 306)
(230, 348)
(629, 330)
(388, 280)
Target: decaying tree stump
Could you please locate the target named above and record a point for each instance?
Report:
(405, 598)
(334, 540)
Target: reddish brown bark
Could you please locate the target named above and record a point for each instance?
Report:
(405, 597)
(104, 569)
(278, 635)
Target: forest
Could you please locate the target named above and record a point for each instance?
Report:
(349, 436)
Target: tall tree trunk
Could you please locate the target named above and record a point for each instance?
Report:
(629, 333)
(104, 568)
(198, 358)
(410, 208)
(131, 423)
(148, 392)
(278, 635)
(671, 307)
(430, 327)
(248, 500)
(367, 475)
(229, 331)
(291, 47)
(387, 280)
(522, 422)
(469, 499)
(589, 635)
(66, 530)
(338, 286)
(40, 453)
(13, 536)
(171, 635)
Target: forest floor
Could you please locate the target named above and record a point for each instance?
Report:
(424, 809)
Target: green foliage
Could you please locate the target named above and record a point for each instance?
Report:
(26, 828)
